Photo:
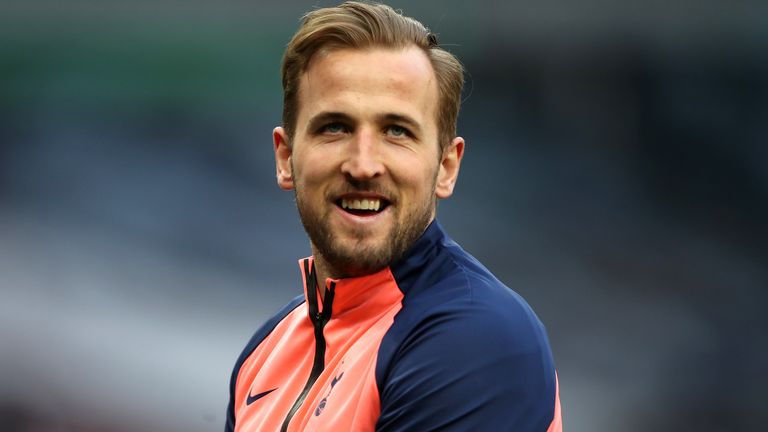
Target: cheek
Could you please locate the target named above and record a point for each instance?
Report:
(310, 167)
(416, 176)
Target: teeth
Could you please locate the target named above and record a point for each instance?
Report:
(361, 204)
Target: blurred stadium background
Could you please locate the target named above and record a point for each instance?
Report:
(616, 176)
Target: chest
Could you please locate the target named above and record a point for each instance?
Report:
(285, 378)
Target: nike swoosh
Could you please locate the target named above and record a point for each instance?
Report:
(254, 398)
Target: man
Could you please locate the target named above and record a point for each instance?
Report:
(398, 329)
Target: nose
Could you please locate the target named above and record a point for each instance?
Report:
(362, 160)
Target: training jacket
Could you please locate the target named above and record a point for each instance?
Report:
(432, 343)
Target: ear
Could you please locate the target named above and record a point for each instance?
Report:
(449, 168)
(283, 153)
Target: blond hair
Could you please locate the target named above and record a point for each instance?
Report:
(369, 25)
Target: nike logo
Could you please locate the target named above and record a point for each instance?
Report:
(254, 398)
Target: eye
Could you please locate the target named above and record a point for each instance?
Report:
(333, 128)
(397, 131)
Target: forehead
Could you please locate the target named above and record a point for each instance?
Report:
(370, 81)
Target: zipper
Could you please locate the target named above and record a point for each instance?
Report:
(319, 320)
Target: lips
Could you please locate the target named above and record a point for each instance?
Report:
(373, 204)
(361, 205)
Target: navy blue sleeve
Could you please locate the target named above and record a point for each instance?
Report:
(470, 366)
(257, 338)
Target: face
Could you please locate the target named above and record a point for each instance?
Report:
(365, 162)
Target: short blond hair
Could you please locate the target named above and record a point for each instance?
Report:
(360, 25)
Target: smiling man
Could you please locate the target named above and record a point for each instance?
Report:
(398, 328)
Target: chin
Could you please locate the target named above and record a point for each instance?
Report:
(359, 258)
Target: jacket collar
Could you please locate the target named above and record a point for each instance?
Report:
(377, 289)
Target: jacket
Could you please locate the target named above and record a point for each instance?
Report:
(432, 342)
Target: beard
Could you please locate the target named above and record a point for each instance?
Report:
(362, 256)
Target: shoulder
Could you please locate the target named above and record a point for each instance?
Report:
(270, 325)
(456, 292)
(467, 350)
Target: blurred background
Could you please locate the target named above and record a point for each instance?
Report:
(616, 176)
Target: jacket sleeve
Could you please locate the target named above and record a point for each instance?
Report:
(472, 369)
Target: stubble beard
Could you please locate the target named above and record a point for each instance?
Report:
(362, 258)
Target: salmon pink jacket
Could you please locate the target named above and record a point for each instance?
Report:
(433, 342)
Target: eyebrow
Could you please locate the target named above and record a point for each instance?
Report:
(325, 117)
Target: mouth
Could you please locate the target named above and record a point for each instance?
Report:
(363, 206)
